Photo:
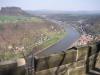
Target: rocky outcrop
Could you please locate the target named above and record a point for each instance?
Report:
(13, 11)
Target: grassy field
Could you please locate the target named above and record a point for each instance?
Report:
(14, 19)
(10, 18)
(20, 35)
(53, 40)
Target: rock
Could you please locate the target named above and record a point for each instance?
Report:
(13, 11)
(21, 62)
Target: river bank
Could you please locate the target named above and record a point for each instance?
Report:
(62, 45)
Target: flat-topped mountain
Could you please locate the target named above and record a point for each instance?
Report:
(13, 11)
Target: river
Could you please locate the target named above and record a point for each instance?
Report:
(71, 36)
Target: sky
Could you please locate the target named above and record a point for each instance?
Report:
(64, 5)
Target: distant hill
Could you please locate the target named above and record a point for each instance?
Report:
(13, 11)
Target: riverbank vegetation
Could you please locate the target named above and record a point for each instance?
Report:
(21, 35)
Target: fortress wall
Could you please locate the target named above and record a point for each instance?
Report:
(16, 67)
(74, 61)
(70, 62)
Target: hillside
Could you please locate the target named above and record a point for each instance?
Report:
(89, 22)
(92, 25)
(13, 11)
(22, 34)
(25, 35)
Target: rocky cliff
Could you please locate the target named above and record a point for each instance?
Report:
(13, 11)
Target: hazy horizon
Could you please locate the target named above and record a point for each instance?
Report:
(54, 5)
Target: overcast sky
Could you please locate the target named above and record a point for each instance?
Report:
(66, 5)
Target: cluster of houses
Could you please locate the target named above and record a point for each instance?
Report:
(85, 39)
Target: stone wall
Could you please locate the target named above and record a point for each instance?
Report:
(74, 61)
(16, 67)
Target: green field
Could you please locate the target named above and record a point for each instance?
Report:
(53, 40)
(14, 19)
(10, 18)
